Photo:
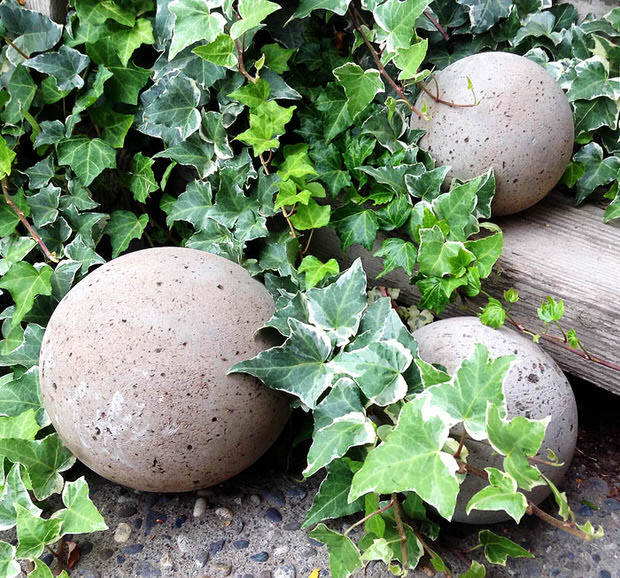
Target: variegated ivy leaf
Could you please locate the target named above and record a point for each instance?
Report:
(307, 6)
(438, 257)
(65, 66)
(23, 426)
(338, 307)
(9, 566)
(34, 533)
(13, 249)
(397, 253)
(40, 173)
(252, 13)
(411, 459)
(397, 18)
(500, 494)
(122, 228)
(344, 557)
(80, 515)
(497, 548)
(598, 171)
(22, 347)
(14, 492)
(340, 423)
(87, 157)
(299, 366)
(429, 374)
(288, 306)
(592, 81)
(193, 205)
(564, 510)
(359, 85)
(193, 21)
(483, 14)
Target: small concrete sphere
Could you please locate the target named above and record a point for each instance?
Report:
(133, 370)
(534, 387)
(522, 127)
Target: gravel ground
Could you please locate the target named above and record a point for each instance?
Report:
(250, 526)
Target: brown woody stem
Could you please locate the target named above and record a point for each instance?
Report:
(241, 65)
(436, 98)
(11, 43)
(436, 24)
(401, 531)
(366, 518)
(457, 453)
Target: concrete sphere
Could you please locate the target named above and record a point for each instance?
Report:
(522, 127)
(596, 7)
(534, 387)
(133, 370)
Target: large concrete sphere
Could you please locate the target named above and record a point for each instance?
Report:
(522, 127)
(534, 387)
(133, 370)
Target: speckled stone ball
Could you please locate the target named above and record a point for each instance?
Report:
(133, 370)
(534, 387)
(522, 127)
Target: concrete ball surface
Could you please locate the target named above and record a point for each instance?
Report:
(534, 387)
(522, 127)
(133, 370)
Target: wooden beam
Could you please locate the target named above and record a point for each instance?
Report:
(552, 249)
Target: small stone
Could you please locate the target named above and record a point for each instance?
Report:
(145, 569)
(241, 544)
(612, 504)
(315, 542)
(260, 557)
(221, 568)
(106, 554)
(165, 561)
(180, 521)
(224, 514)
(265, 574)
(122, 533)
(201, 559)
(215, 547)
(127, 510)
(585, 511)
(275, 498)
(87, 573)
(200, 507)
(254, 500)
(273, 515)
(291, 526)
(296, 494)
(604, 574)
(184, 544)
(596, 558)
(133, 548)
(85, 547)
(153, 519)
(309, 553)
(285, 571)
(280, 551)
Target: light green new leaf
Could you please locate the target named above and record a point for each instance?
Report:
(193, 22)
(141, 179)
(253, 93)
(87, 157)
(377, 369)
(516, 440)
(478, 381)
(344, 557)
(379, 550)
(80, 515)
(483, 14)
(438, 257)
(311, 216)
(493, 314)
(297, 163)
(9, 566)
(456, 207)
(221, 51)
(564, 510)
(590, 531)
(396, 253)
(500, 494)
(7, 156)
(411, 459)
(277, 57)
(497, 548)
(331, 499)
(24, 283)
(338, 307)
(122, 228)
(476, 570)
(316, 270)
(307, 6)
(65, 66)
(551, 310)
(592, 81)
(340, 423)
(397, 18)
(408, 60)
(44, 205)
(252, 13)
(429, 374)
(359, 85)
(23, 426)
(267, 121)
(14, 492)
(127, 40)
(487, 252)
(298, 366)
(34, 533)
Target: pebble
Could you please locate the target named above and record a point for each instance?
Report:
(273, 515)
(133, 548)
(296, 494)
(122, 533)
(184, 544)
(275, 498)
(165, 561)
(260, 557)
(153, 519)
(180, 521)
(220, 568)
(315, 542)
(201, 559)
(200, 507)
(241, 544)
(280, 551)
(85, 547)
(106, 554)
(88, 573)
(309, 553)
(265, 574)
(292, 526)
(612, 504)
(144, 568)
(604, 574)
(225, 515)
(285, 571)
(254, 500)
(215, 547)
(137, 523)
(127, 510)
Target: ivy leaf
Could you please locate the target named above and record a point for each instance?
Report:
(340, 423)
(23, 426)
(267, 121)
(500, 494)
(141, 179)
(409, 59)
(486, 251)
(438, 257)
(7, 156)
(26, 352)
(338, 307)
(277, 57)
(478, 381)
(280, 254)
(592, 81)
(328, 163)
(497, 548)
(79, 250)
(195, 152)
(564, 510)
(398, 18)
(331, 499)
(591, 115)
(252, 13)
(551, 310)
(393, 176)
(21, 89)
(493, 314)
(334, 105)
(122, 228)
(379, 550)
(42, 570)
(65, 66)
(344, 557)
(316, 270)
(517, 439)
(34, 533)
(221, 51)
(127, 40)
(456, 207)
(14, 492)
(9, 566)
(80, 515)
(397, 253)
(86, 157)
(411, 459)
(193, 22)
(24, 283)
(39, 174)
(44, 205)
(252, 94)
(217, 239)
(21, 394)
(355, 225)
(359, 85)
(298, 366)
(193, 205)
(311, 216)
(475, 570)
(599, 171)
(288, 306)
(483, 14)
(426, 186)
(14, 249)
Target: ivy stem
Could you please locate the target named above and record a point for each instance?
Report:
(366, 518)
(265, 163)
(530, 458)
(436, 24)
(401, 531)
(380, 67)
(241, 65)
(457, 453)
(305, 250)
(52, 551)
(429, 550)
(5, 190)
(9, 41)
(436, 98)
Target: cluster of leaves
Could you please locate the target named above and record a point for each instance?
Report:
(383, 420)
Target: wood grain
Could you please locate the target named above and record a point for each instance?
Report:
(552, 249)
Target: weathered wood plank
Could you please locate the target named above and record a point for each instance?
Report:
(55, 9)
(552, 249)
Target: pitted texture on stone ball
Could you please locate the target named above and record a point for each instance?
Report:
(133, 370)
(534, 387)
(522, 127)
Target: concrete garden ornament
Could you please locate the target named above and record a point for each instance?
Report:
(133, 370)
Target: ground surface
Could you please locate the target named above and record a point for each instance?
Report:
(250, 525)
